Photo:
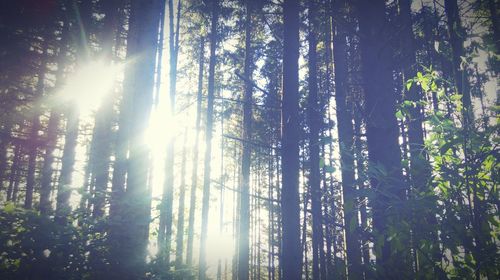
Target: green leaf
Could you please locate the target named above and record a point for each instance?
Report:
(456, 97)
(399, 115)
(420, 76)
(434, 86)
(409, 83)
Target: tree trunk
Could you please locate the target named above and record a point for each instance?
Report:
(346, 135)
(14, 174)
(382, 139)
(4, 144)
(314, 120)
(35, 128)
(420, 169)
(244, 213)
(194, 175)
(137, 100)
(48, 160)
(165, 230)
(63, 208)
(180, 219)
(291, 261)
(208, 139)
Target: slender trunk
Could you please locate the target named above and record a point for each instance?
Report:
(4, 144)
(102, 138)
(208, 139)
(246, 153)
(48, 160)
(52, 133)
(313, 121)
(63, 208)
(194, 175)
(35, 128)
(14, 174)
(346, 135)
(291, 260)
(180, 219)
(165, 230)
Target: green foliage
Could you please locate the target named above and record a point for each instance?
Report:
(465, 172)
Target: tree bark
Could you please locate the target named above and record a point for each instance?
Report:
(314, 120)
(194, 175)
(165, 230)
(35, 128)
(346, 135)
(99, 157)
(243, 261)
(134, 212)
(179, 250)
(291, 260)
(382, 138)
(208, 139)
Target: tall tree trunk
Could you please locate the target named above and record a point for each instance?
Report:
(48, 160)
(52, 132)
(99, 157)
(420, 169)
(179, 250)
(35, 128)
(194, 175)
(63, 207)
(382, 139)
(313, 120)
(14, 174)
(208, 139)
(244, 213)
(165, 230)
(291, 261)
(346, 135)
(4, 144)
(137, 98)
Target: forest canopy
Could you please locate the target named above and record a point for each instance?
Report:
(249, 139)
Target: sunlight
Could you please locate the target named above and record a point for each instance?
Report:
(89, 85)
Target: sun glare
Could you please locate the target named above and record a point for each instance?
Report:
(87, 87)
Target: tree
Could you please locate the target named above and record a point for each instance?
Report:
(291, 257)
(208, 137)
(420, 169)
(165, 230)
(244, 223)
(138, 85)
(314, 120)
(382, 138)
(346, 138)
(194, 175)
